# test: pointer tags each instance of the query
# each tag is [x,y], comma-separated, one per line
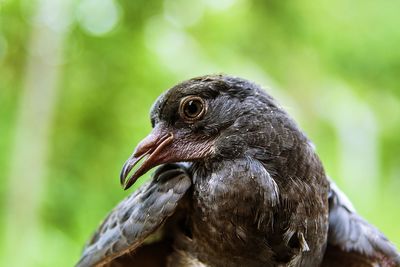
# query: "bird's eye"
[192,108]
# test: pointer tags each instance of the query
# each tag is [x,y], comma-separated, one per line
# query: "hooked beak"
[150,150]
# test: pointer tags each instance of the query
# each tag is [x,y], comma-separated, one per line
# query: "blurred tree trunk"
[26,181]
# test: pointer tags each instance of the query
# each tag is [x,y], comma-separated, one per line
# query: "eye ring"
[192,108]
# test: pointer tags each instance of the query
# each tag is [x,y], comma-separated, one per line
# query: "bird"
[236,183]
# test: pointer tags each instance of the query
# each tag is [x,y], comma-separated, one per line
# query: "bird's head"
[209,117]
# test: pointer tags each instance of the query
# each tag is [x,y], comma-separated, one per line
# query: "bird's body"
[239,220]
[253,193]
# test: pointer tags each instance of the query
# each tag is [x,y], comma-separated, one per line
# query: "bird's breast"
[226,211]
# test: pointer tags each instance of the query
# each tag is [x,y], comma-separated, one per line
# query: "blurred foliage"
[335,65]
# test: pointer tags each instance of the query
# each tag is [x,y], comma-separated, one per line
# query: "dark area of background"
[77,79]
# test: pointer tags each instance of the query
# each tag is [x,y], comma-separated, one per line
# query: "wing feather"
[138,216]
[352,239]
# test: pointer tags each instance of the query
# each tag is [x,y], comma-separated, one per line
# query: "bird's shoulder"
[235,180]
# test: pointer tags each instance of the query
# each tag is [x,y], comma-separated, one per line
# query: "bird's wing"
[352,240]
[138,216]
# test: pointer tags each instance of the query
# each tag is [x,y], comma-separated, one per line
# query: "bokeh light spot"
[183,13]
[98,17]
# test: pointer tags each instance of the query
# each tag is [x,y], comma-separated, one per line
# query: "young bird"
[238,184]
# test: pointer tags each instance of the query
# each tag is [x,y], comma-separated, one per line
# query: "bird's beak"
[149,152]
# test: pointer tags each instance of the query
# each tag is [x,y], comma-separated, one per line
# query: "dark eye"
[192,108]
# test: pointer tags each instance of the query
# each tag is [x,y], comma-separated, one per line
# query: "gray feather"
[136,217]
[349,232]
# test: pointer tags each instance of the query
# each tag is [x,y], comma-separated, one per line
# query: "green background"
[77,79]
